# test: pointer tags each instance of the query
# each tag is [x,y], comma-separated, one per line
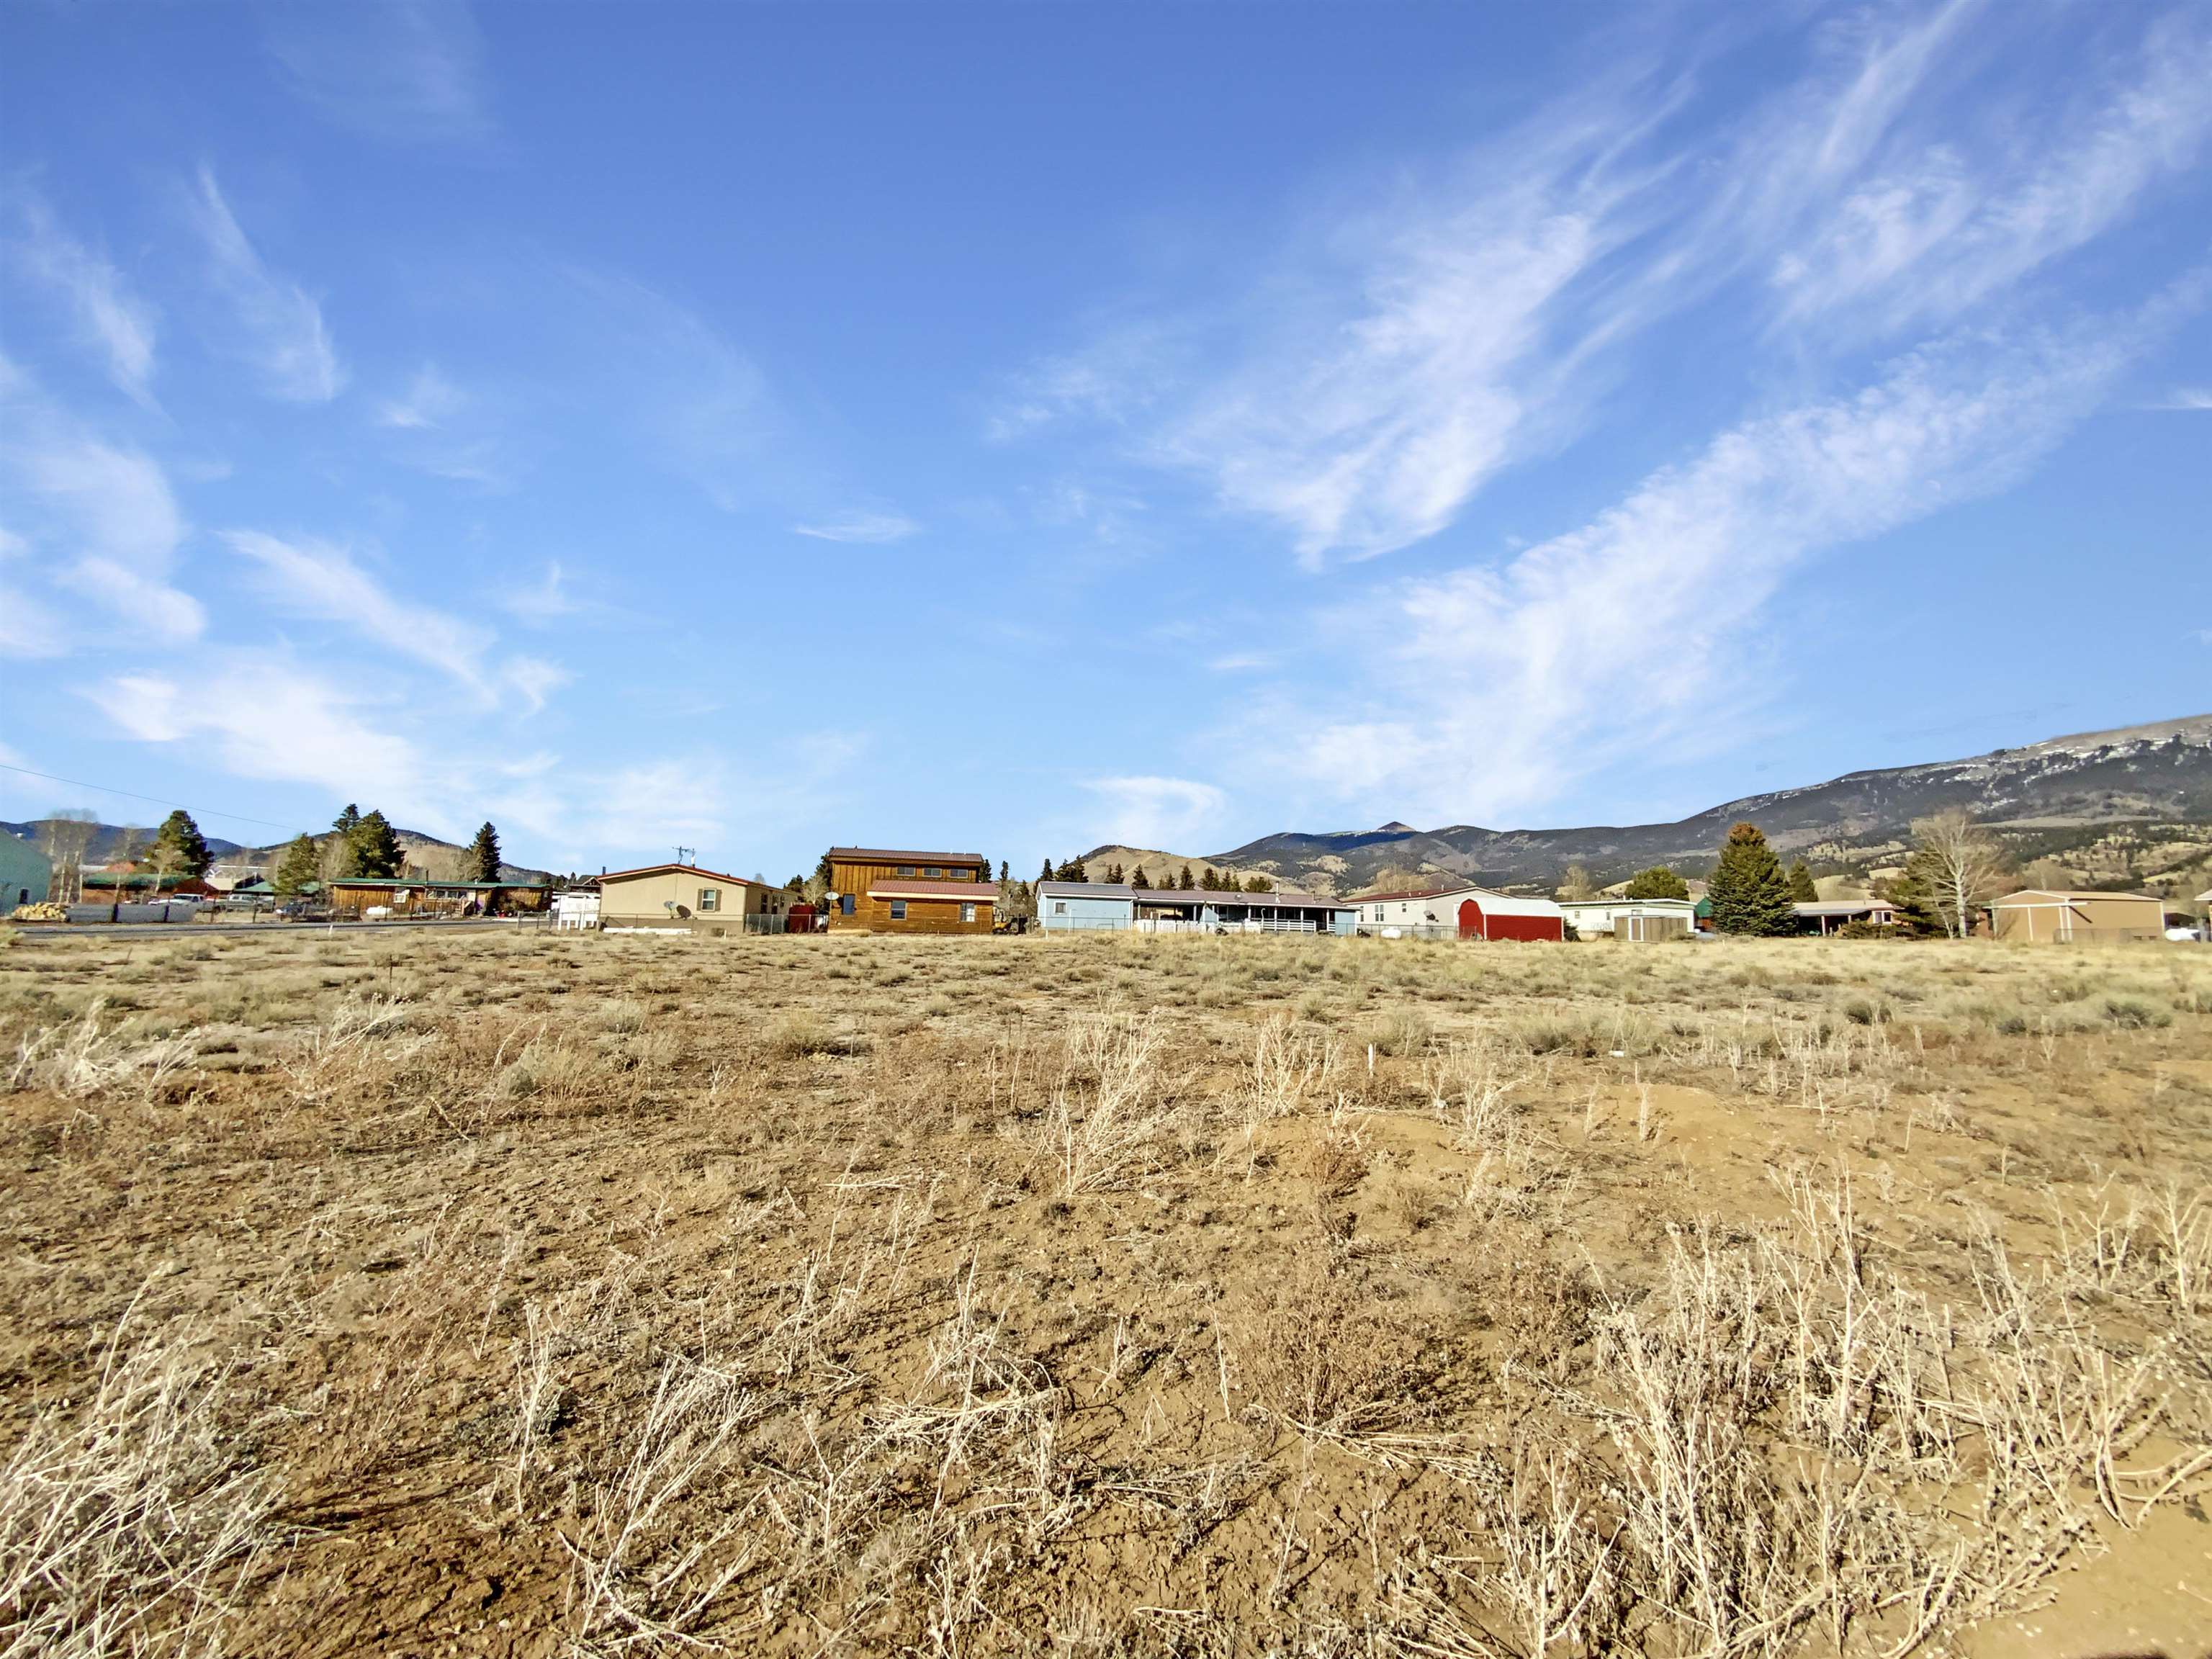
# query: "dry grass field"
[548,1294]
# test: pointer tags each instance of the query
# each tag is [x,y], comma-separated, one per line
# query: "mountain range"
[2115,808]
[107,843]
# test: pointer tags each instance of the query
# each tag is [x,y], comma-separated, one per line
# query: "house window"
[710,898]
[1378,912]
[906,869]
[844,904]
[1060,907]
[898,909]
[966,912]
[934,871]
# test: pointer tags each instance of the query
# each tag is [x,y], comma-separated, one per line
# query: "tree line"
[1954,867]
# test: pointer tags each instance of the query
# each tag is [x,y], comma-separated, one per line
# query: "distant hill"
[2109,808]
[1158,865]
[109,842]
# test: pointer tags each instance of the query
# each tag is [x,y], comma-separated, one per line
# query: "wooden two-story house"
[878,890]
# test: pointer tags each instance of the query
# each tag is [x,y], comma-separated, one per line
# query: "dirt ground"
[542,1294]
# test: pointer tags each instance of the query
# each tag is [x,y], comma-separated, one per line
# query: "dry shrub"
[1335,1164]
[129,1521]
[83,1060]
[1329,1361]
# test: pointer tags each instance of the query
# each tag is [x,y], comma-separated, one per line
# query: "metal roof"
[425,881]
[1841,907]
[1086,889]
[903,887]
[643,870]
[893,855]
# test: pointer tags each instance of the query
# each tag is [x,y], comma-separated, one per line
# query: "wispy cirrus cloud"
[323,582]
[871,529]
[1359,388]
[1487,690]
[276,325]
[1162,813]
[438,428]
[106,313]
[92,517]
[406,71]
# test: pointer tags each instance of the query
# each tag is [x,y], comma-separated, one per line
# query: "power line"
[156,800]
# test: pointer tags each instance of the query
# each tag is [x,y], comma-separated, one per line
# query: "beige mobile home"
[681,898]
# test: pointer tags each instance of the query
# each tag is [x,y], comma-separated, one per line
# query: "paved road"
[26,931]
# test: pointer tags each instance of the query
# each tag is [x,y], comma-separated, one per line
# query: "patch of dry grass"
[555,1294]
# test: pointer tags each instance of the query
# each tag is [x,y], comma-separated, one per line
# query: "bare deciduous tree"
[1963,863]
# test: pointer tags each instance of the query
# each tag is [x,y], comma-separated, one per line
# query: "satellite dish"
[829,897]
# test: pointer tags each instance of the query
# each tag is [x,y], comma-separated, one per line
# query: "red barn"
[1488,915]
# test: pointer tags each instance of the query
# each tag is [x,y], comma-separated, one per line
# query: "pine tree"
[1210,881]
[179,849]
[1259,885]
[1113,874]
[1140,879]
[376,851]
[1749,889]
[1802,890]
[483,854]
[346,821]
[1918,915]
[297,865]
[1003,877]
[1045,874]
[1187,884]
[1657,883]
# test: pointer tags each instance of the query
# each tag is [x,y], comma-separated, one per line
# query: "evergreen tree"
[483,854]
[346,821]
[1657,883]
[1749,891]
[179,849]
[1113,874]
[1045,874]
[1802,890]
[375,848]
[1210,881]
[1140,879]
[297,865]
[1188,882]
[1918,915]
[796,885]
[1259,885]
[1003,877]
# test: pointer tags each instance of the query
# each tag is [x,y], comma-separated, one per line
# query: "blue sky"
[1010,428]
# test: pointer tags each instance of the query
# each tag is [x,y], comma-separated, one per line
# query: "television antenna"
[685,854]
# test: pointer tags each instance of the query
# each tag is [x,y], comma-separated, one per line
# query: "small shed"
[25,872]
[1634,921]
[2046,916]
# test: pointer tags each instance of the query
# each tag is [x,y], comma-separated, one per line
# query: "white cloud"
[1359,387]
[96,519]
[257,715]
[1494,688]
[863,527]
[106,315]
[2187,398]
[430,400]
[1167,814]
[548,601]
[701,407]
[409,71]
[278,325]
[1955,219]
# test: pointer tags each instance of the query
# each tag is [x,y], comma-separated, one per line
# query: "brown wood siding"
[874,915]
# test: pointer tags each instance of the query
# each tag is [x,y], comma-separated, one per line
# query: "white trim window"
[898,909]
[710,898]
[966,912]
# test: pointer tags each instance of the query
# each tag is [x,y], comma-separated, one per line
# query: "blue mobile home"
[1093,906]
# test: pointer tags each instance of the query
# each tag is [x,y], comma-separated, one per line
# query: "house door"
[1470,920]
